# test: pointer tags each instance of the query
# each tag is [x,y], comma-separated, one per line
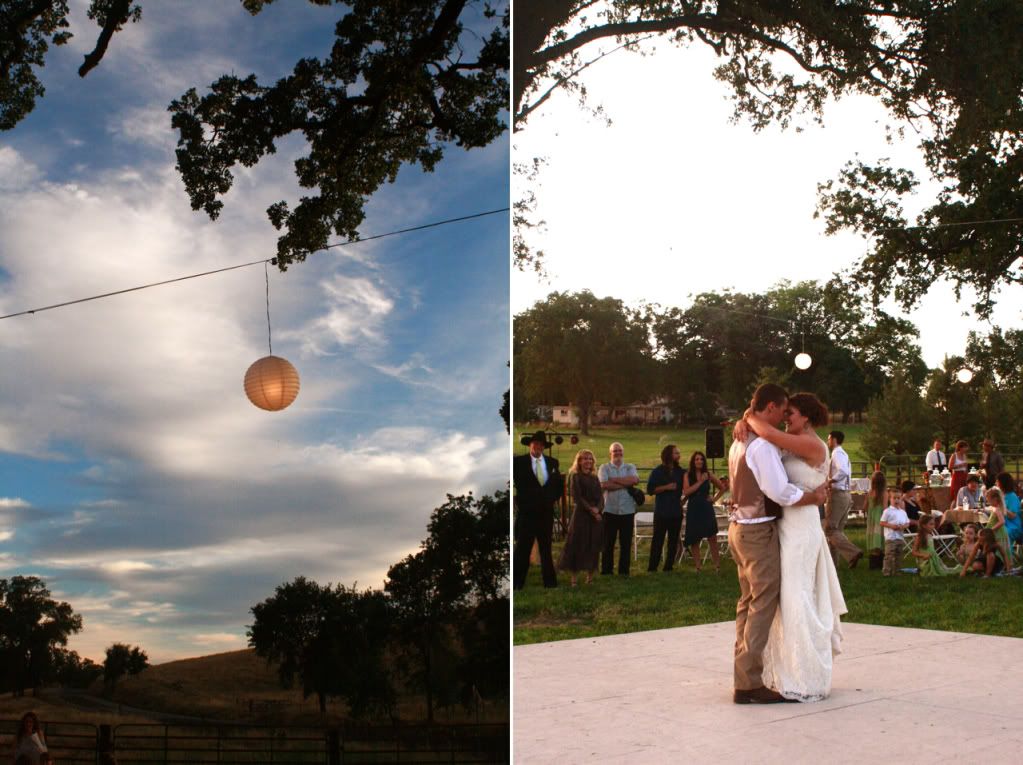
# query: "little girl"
[996,521]
[969,542]
[986,557]
[928,560]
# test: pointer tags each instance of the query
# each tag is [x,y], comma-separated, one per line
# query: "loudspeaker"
[715,443]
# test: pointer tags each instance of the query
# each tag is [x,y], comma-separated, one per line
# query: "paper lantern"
[271,383]
[964,375]
[803,360]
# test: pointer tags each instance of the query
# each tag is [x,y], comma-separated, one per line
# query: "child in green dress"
[927,558]
[996,522]
[876,502]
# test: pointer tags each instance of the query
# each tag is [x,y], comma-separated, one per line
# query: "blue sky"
[137,480]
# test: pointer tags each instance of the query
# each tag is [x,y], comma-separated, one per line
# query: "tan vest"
[748,501]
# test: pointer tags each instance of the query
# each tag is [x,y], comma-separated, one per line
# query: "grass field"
[680,598]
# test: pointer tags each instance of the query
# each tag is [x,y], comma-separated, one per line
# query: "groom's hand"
[820,494]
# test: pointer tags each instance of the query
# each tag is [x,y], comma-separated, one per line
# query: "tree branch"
[115,19]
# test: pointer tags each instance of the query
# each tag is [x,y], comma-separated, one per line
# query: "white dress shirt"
[764,461]
[841,470]
[936,459]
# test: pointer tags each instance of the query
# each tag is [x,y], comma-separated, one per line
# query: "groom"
[759,489]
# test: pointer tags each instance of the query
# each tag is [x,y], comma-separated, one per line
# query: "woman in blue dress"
[700,521]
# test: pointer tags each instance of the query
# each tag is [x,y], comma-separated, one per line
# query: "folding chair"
[642,526]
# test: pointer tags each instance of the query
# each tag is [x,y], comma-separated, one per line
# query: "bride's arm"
[807,445]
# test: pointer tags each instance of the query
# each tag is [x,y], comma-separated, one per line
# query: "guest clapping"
[585,531]
[701,522]
[665,485]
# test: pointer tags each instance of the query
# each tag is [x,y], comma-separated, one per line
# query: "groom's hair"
[768,393]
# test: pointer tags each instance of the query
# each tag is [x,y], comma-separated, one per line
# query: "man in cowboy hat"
[538,485]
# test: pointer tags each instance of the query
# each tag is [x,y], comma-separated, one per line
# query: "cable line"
[251,263]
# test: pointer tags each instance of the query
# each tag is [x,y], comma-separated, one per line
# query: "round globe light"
[272,383]
[803,360]
[964,375]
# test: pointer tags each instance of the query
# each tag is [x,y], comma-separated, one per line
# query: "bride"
[806,632]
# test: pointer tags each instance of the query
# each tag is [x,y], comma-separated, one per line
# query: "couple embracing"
[787,626]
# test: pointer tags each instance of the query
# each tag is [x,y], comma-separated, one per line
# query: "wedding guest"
[927,559]
[935,459]
[701,522]
[991,462]
[1013,517]
[986,557]
[837,511]
[969,542]
[996,521]
[616,478]
[894,521]
[875,506]
[971,494]
[30,742]
[958,466]
[538,485]
[912,508]
[665,485]
[585,533]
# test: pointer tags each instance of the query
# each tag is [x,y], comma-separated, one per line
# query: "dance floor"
[898,695]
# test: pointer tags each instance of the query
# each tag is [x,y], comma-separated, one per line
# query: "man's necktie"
[541,472]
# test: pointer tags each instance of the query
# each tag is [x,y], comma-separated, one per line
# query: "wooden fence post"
[105,745]
[333,747]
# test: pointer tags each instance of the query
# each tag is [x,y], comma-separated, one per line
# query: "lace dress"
[806,632]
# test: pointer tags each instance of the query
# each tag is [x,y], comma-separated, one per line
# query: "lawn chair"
[642,526]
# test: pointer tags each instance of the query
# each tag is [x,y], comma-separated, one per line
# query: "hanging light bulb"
[964,375]
[803,360]
[272,382]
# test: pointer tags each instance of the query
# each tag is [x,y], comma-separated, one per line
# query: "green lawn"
[679,598]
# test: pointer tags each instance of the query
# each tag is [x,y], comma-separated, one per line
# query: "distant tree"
[72,671]
[402,82]
[898,421]
[122,659]
[33,629]
[585,349]
[331,639]
[456,587]
[953,407]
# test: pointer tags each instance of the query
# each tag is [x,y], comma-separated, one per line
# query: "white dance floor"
[899,695]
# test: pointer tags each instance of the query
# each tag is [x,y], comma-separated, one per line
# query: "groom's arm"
[765,463]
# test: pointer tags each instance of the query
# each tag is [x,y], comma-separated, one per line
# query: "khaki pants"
[754,548]
[835,516]
[893,549]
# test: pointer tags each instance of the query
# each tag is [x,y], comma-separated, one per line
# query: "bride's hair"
[811,408]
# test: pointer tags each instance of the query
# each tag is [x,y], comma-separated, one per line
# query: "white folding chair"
[642,526]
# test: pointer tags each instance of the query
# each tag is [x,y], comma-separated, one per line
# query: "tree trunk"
[584,419]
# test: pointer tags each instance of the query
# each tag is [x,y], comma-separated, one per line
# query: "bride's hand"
[741,430]
[759,426]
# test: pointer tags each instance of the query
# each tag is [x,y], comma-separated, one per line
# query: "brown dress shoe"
[855,559]
[759,695]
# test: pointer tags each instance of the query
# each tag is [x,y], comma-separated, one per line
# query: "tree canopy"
[950,71]
[122,659]
[34,628]
[402,82]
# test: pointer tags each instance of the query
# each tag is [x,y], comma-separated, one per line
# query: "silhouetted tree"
[33,628]
[402,82]
[122,659]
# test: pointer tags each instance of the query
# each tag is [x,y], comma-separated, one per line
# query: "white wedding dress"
[806,632]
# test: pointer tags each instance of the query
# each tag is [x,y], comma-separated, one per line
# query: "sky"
[135,477]
[673,199]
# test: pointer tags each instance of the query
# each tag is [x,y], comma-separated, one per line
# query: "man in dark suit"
[538,485]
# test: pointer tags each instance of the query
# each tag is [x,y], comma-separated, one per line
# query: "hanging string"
[251,263]
[269,342]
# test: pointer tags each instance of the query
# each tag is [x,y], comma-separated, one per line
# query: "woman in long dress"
[701,523]
[806,632]
[583,541]
[875,506]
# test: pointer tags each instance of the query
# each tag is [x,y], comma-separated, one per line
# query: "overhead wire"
[433,224]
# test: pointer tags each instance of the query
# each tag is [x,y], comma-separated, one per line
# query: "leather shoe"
[759,695]
[855,559]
